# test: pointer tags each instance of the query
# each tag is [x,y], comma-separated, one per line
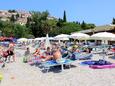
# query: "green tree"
[12,29]
[113,21]
[67,28]
[13,18]
[28,23]
[12,11]
[86,26]
[38,24]
[60,22]
[83,25]
[17,16]
[20,31]
[7,28]
[64,16]
[90,26]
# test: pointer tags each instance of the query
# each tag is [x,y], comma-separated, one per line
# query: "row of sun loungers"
[67,61]
[47,65]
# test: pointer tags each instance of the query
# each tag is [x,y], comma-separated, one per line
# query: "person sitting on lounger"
[73,54]
[8,54]
[37,52]
[88,50]
[11,53]
[48,51]
[55,56]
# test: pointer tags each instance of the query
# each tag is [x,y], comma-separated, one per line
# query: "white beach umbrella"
[22,40]
[40,39]
[37,39]
[30,39]
[103,36]
[51,38]
[62,37]
[79,36]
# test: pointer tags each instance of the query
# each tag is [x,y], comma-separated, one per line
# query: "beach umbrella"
[79,36]
[47,41]
[37,39]
[51,38]
[62,37]
[22,40]
[103,36]
[40,39]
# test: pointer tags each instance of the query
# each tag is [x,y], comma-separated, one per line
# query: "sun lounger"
[87,62]
[81,56]
[48,64]
[85,56]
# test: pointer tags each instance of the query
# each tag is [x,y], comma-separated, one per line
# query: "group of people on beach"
[48,54]
[54,52]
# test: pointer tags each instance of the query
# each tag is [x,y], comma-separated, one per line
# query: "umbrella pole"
[104,52]
[85,41]
[74,41]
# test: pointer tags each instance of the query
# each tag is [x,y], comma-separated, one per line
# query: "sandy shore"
[20,74]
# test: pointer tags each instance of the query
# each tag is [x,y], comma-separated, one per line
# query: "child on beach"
[26,55]
[27,52]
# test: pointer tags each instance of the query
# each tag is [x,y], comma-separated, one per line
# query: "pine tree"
[83,25]
[13,18]
[64,16]
[60,22]
[113,21]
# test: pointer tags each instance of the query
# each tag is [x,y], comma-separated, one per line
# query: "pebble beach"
[21,74]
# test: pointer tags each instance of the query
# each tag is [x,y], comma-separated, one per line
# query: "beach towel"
[94,62]
[102,66]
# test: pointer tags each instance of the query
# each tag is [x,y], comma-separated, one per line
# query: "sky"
[99,12]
